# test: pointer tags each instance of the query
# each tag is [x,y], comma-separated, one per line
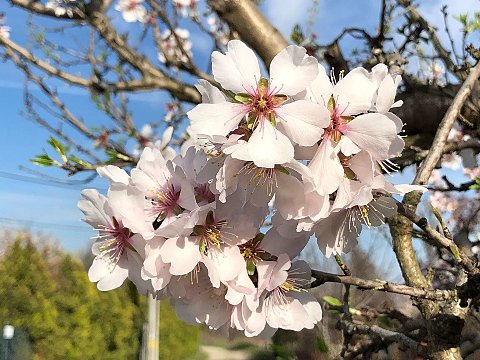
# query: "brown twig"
[380,285]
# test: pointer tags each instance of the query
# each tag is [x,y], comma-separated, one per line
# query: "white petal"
[321,88]
[238,69]
[386,93]
[182,254]
[95,207]
[304,121]
[354,93]
[326,168]
[291,70]
[372,132]
[114,174]
[215,119]
[267,146]
[210,94]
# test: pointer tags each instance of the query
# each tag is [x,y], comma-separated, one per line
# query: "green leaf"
[297,35]
[79,161]
[330,300]
[58,147]
[321,344]
[43,160]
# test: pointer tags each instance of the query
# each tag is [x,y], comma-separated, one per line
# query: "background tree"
[442,90]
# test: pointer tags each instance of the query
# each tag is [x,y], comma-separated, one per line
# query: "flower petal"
[326,168]
[373,132]
[267,146]
[304,121]
[291,70]
[238,69]
[215,119]
[354,93]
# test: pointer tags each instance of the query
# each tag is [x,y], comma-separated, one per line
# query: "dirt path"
[218,353]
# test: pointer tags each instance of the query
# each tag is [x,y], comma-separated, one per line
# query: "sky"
[51,208]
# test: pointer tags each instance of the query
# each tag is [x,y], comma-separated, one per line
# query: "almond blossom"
[270,162]
[132,10]
[262,110]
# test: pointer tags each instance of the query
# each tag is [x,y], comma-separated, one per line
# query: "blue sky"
[52,209]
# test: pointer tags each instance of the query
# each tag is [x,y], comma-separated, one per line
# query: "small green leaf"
[43,160]
[79,161]
[58,147]
[330,300]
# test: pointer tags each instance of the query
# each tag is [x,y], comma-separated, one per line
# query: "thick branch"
[244,17]
[386,335]
[378,285]
[39,8]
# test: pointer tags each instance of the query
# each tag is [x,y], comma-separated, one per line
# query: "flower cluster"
[132,10]
[300,149]
[170,49]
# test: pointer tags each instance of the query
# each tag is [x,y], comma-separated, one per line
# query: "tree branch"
[244,17]
[380,285]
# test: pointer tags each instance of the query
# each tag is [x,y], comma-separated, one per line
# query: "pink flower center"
[115,239]
[163,202]
[261,103]
[132,5]
[203,194]
[337,120]
[210,234]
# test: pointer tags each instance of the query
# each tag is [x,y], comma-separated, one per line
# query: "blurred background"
[49,309]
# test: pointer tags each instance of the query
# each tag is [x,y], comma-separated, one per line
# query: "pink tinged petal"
[397,121]
[346,193]
[372,132]
[354,93]
[321,88]
[267,146]
[98,269]
[316,206]
[275,243]
[210,94]
[115,278]
[228,261]
[238,69]
[326,168]
[347,147]
[335,235]
[363,166]
[280,272]
[238,151]
[114,174]
[182,253]
[303,121]
[397,146]
[386,93]
[290,196]
[227,177]
[128,204]
[215,119]
[291,70]
[138,243]
[135,264]
[95,207]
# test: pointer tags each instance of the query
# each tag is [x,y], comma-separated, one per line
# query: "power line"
[7,220]
[53,183]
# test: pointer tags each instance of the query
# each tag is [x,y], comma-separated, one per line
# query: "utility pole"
[153,328]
